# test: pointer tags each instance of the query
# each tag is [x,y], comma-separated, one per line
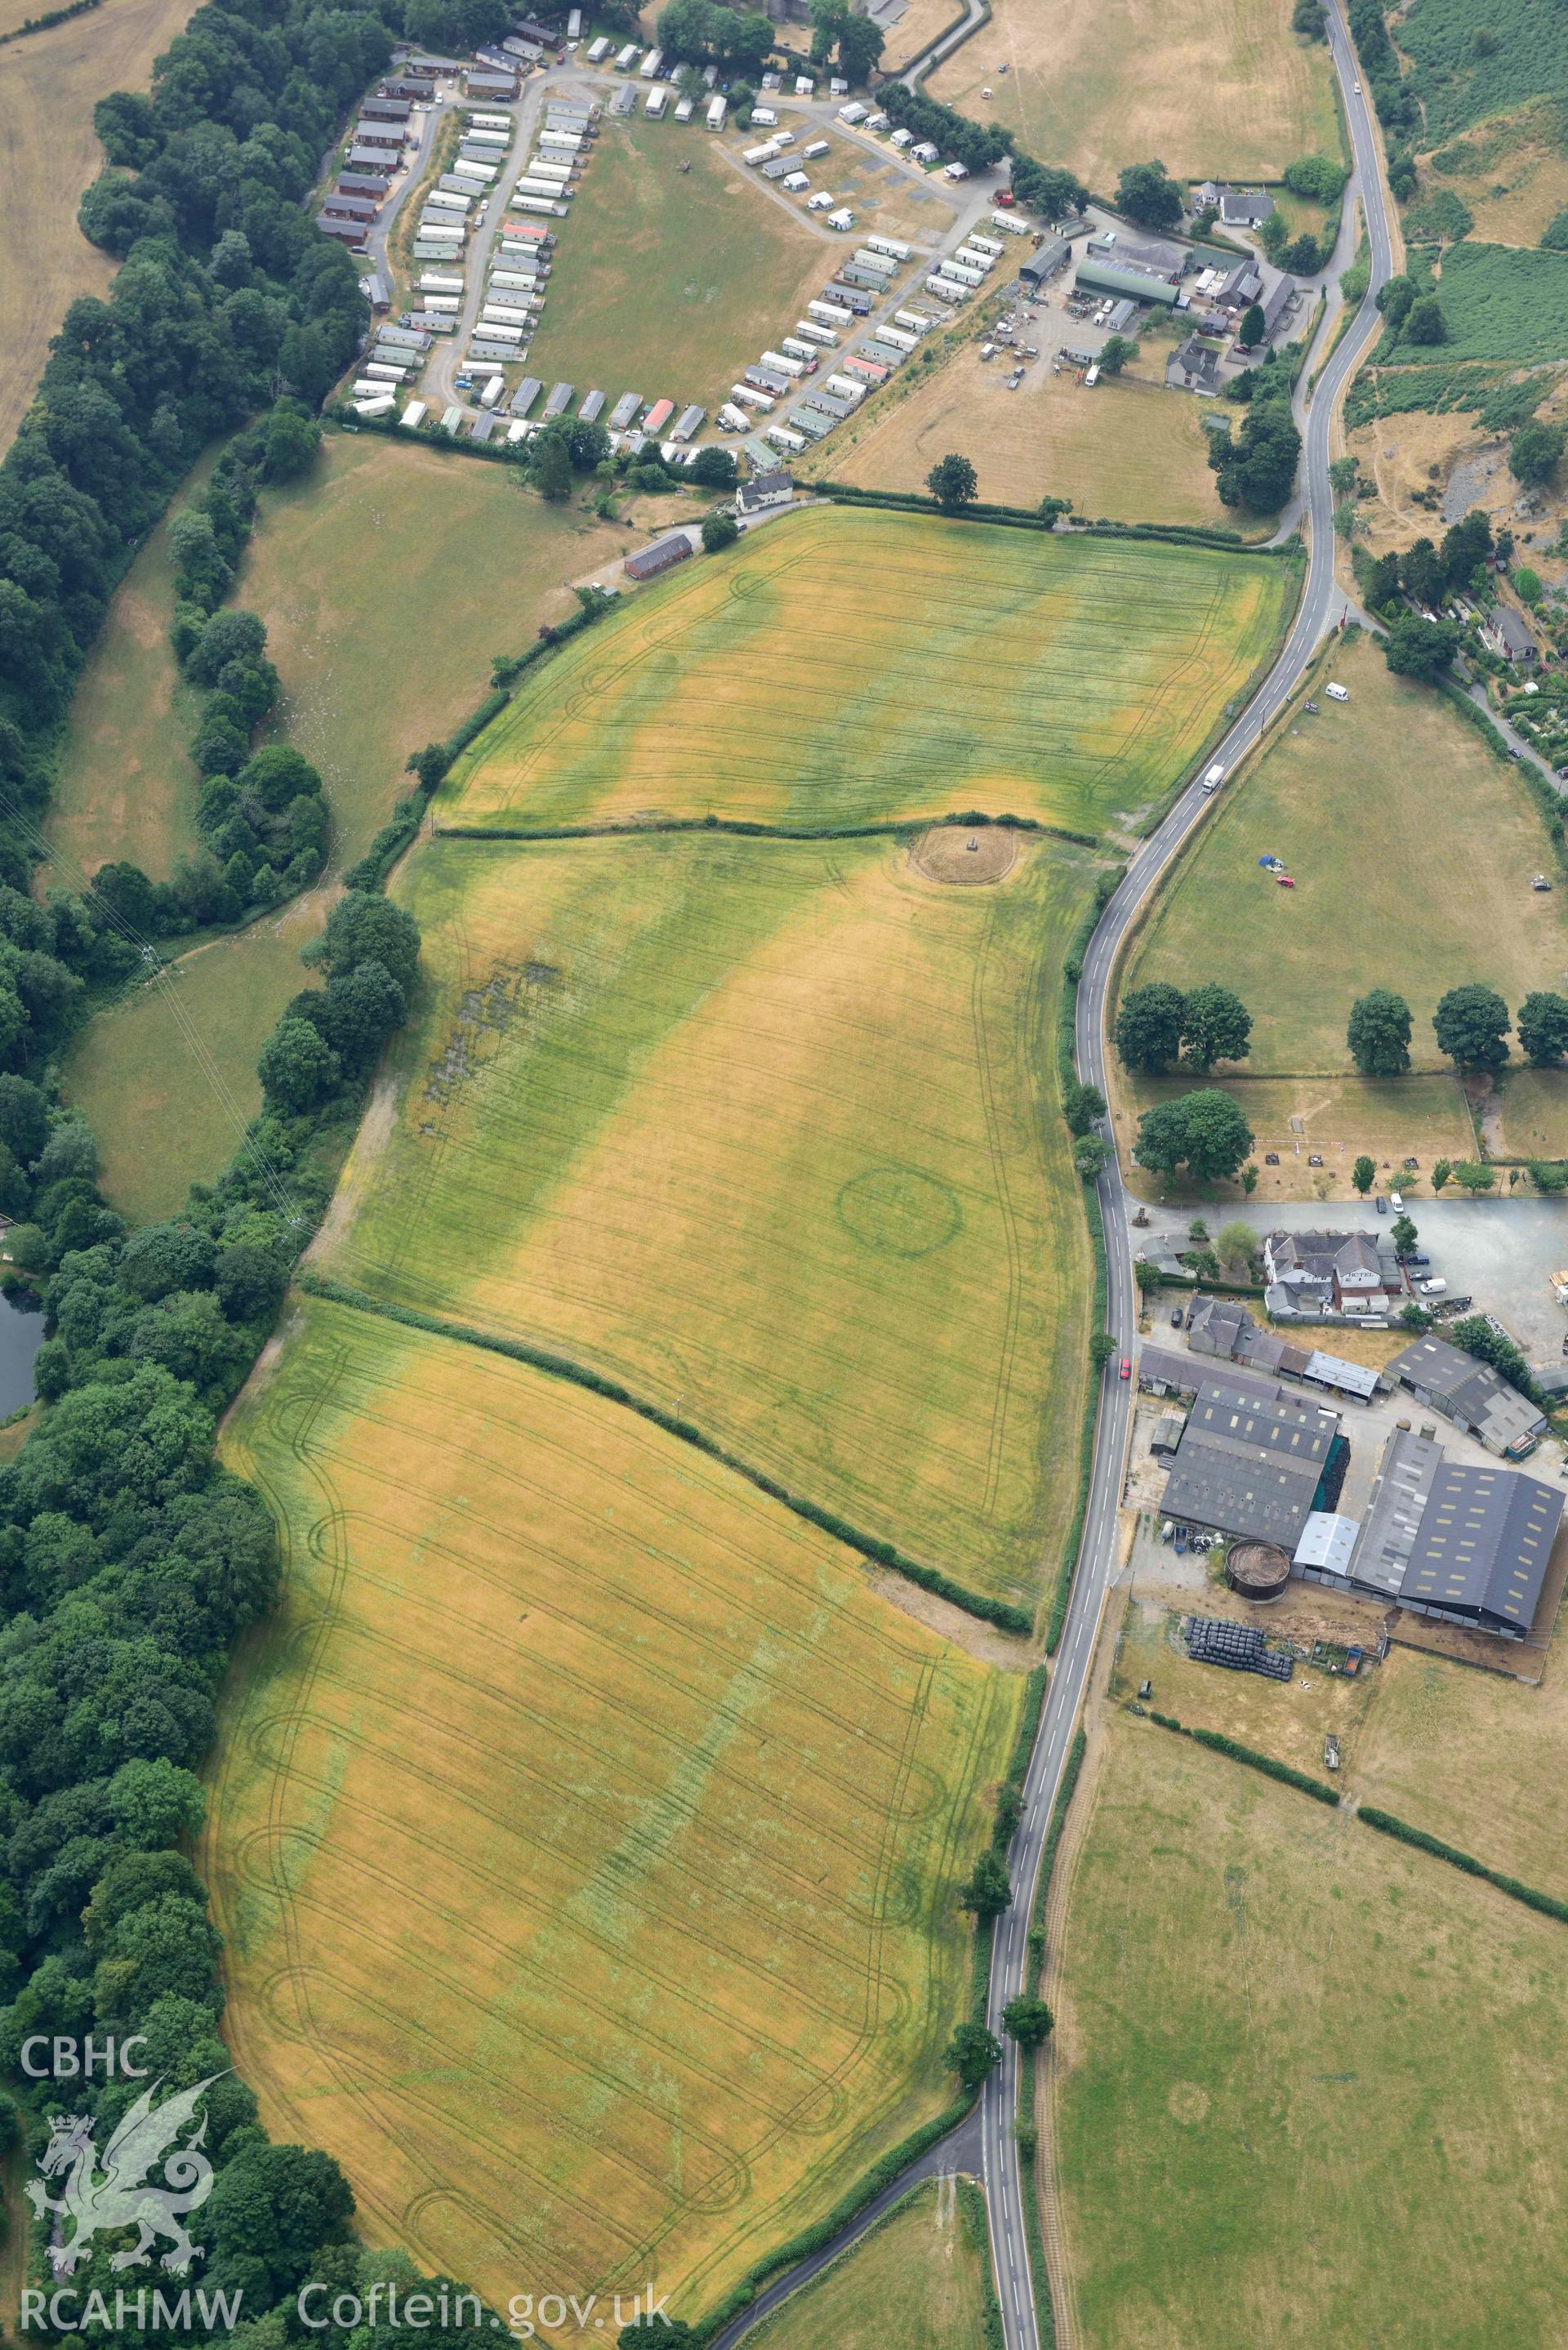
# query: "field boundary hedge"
[1547,1904]
[1226,542]
[1286,1773]
[999,1612]
[46,23]
[746,829]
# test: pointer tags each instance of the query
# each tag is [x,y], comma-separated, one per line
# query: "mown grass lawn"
[673,271]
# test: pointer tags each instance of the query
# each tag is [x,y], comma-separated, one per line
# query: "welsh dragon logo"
[114,2192]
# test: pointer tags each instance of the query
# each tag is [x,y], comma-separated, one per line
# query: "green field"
[920,2281]
[1501,302]
[767,1130]
[646,294]
[386,581]
[846,668]
[1534,1104]
[585,1832]
[1314,2087]
[166,1077]
[1412,850]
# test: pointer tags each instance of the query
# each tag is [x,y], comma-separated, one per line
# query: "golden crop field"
[1129,451]
[586,1831]
[767,1130]
[1312,2086]
[1412,850]
[843,667]
[1214,88]
[49,84]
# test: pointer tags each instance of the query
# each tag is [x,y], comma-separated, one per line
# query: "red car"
[1126,1368]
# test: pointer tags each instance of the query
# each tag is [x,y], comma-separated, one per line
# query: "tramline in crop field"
[847,668]
[761,1130]
[587,1832]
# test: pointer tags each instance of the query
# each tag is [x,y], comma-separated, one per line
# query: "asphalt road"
[1322,609]
[1323,604]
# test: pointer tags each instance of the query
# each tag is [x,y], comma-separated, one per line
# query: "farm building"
[1151,255]
[1343,1273]
[1470,1394]
[649,561]
[763,490]
[1045,262]
[1252,1468]
[1095,277]
[1223,1326]
[1467,1545]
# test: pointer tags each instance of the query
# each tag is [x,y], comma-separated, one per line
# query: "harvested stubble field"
[586,1831]
[1216,88]
[642,283]
[1126,451]
[847,666]
[919,2279]
[766,1130]
[49,84]
[1279,2030]
[1412,850]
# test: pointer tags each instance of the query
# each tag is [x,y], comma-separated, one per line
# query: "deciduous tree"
[1148,1027]
[1470,1024]
[953,482]
[1378,1034]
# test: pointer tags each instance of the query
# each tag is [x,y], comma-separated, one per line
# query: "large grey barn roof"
[1468,1389]
[1248,1466]
[1470,1541]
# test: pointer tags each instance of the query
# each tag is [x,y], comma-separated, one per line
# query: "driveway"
[1499,1250]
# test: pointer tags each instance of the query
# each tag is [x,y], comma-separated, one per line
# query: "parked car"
[1176,1317]
[1395,1201]
[1382,1205]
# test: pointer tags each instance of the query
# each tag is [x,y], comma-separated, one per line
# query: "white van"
[1432,1288]
[1214,778]
[1339,694]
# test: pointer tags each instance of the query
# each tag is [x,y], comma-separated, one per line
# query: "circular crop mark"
[900,1211]
[1187,2104]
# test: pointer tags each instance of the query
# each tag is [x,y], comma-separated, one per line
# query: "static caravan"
[492,392]
[988,244]
[560,399]
[685,107]
[627,57]
[539,204]
[854,112]
[890,246]
[625,409]
[592,403]
[732,419]
[652,64]
[382,405]
[442,302]
[688,422]
[764,116]
[796,183]
[597,51]
[520,280]
[899,336]
[783,437]
[830,314]
[414,415]
[753,156]
[447,200]
[815,332]
[624,103]
[440,281]
[575,25]
[1013,227]
[750,397]
[782,364]
[478,122]
[915,320]
[451,418]
[658,417]
[384,372]
[486,137]
[658,99]
[716,109]
[798,349]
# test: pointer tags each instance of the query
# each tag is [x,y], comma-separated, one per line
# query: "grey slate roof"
[1469,1392]
[1466,1540]
[1248,1467]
